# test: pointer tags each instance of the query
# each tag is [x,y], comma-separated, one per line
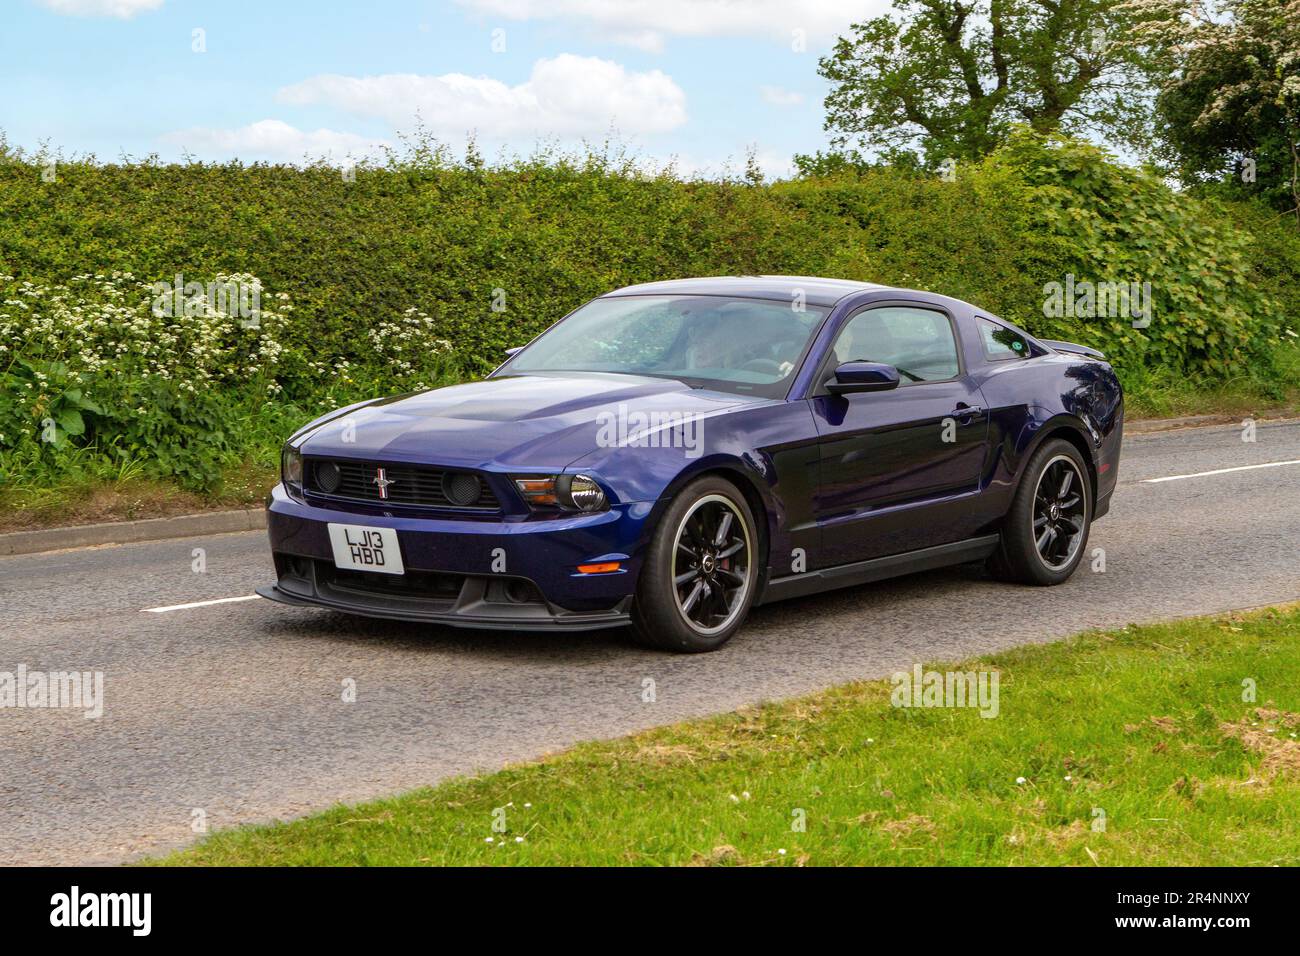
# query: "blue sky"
[700,81]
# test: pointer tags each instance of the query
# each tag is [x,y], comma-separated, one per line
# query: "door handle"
[963,413]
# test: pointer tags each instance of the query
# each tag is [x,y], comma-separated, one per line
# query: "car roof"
[816,291]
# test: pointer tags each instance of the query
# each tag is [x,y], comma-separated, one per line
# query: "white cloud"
[776,96]
[647,21]
[648,41]
[274,140]
[565,96]
[122,9]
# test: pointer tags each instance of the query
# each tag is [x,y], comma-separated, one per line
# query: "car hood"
[534,422]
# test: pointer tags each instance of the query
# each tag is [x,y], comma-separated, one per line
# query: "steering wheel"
[764,365]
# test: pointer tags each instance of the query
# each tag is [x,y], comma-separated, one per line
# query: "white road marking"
[1220,471]
[184,607]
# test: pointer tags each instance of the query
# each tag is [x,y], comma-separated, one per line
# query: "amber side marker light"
[605,568]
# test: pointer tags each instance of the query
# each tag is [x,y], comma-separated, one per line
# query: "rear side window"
[917,342]
[1002,343]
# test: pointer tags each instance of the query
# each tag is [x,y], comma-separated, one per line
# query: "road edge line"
[130,532]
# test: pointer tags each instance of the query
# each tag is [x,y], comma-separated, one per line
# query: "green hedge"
[423,244]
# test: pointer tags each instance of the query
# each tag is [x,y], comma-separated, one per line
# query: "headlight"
[291,469]
[581,493]
[569,492]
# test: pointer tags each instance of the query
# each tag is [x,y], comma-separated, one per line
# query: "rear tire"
[1046,531]
[700,574]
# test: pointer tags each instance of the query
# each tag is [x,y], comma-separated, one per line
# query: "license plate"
[359,548]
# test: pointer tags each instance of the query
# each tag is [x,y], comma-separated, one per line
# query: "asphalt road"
[236,709]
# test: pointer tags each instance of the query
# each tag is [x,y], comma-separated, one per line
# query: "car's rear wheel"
[1046,531]
[701,570]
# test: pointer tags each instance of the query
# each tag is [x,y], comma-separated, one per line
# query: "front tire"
[700,573]
[1046,531]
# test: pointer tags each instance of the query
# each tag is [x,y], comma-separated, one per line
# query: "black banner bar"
[331,905]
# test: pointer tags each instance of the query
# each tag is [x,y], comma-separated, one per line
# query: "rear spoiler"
[1072,348]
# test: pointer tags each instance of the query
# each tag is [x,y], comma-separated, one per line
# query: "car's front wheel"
[701,570]
[1046,530]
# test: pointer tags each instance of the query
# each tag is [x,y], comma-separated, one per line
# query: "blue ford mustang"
[669,455]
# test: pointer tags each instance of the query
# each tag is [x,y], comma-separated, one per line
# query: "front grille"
[341,479]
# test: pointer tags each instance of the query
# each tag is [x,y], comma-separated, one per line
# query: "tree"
[1228,107]
[943,79]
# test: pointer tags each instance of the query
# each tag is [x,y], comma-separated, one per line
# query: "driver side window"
[917,342]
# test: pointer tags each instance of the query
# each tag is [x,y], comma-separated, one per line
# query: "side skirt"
[877,569]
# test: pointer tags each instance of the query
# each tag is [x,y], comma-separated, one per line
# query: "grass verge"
[87,499]
[1165,393]
[1128,747]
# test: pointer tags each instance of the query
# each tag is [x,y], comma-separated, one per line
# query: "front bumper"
[505,573]
[469,609]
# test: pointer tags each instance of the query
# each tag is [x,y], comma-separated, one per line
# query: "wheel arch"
[747,483]
[1070,429]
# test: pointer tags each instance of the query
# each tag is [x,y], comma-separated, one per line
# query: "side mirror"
[863,377]
[510,353]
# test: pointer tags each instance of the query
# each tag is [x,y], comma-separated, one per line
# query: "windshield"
[733,345]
